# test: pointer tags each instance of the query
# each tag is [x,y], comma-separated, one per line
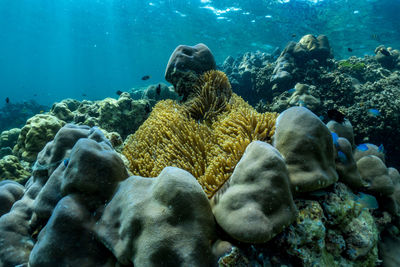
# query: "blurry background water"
[88,49]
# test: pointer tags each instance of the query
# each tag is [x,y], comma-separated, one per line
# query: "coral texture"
[172,205]
[37,131]
[306,144]
[256,203]
[11,169]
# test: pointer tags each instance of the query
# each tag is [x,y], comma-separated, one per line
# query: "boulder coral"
[37,131]
[122,115]
[172,205]
[344,129]
[19,227]
[83,182]
[10,192]
[306,144]
[186,64]
[256,202]
[12,169]
[9,138]
[375,173]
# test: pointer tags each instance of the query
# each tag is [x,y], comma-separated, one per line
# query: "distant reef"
[193,175]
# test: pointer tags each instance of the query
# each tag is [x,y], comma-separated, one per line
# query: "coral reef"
[247,75]
[122,116]
[207,184]
[364,89]
[387,57]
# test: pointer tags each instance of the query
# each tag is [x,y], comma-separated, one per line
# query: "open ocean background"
[52,50]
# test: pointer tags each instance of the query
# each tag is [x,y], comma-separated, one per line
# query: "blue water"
[51,50]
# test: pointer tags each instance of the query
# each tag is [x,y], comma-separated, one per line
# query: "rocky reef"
[306,74]
[206,179]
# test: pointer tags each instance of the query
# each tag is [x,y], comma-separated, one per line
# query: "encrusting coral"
[205,137]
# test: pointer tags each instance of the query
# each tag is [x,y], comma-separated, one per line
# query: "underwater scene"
[200,133]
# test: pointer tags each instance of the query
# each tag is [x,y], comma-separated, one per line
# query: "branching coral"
[209,150]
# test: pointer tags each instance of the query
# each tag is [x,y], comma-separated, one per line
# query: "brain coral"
[208,150]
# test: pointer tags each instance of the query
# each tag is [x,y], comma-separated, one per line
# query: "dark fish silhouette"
[158,89]
[293,35]
[146,77]
[336,115]
[7,100]
[349,49]
[119,92]
[84,94]
[385,52]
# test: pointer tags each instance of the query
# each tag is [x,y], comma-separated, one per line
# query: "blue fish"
[362,147]
[366,200]
[335,139]
[292,90]
[342,157]
[381,149]
[374,112]
[66,161]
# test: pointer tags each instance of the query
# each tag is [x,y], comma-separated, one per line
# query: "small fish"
[291,91]
[362,147]
[366,200]
[119,92]
[7,100]
[158,89]
[336,115]
[146,77]
[321,118]
[381,149]
[84,94]
[385,52]
[294,35]
[66,161]
[349,49]
[34,94]
[342,157]
[335,139]
[374,112]
[41,112]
